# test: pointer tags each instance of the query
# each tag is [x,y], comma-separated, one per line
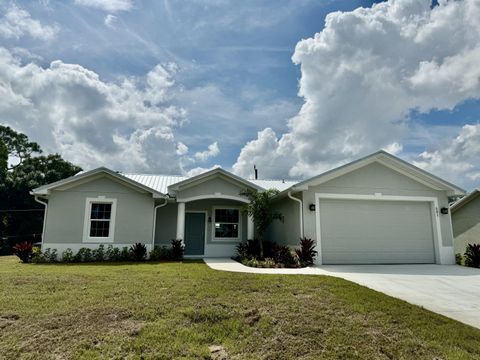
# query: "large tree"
[21,218]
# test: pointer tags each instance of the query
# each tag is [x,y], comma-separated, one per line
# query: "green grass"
[178,310]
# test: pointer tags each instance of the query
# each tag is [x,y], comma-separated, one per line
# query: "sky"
[294,87]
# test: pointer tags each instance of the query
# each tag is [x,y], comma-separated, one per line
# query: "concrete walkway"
[450,290]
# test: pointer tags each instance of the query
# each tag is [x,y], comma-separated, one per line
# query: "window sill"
[226,240]
[98,240]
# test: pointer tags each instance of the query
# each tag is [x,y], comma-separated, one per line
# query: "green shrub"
[84,255]
[306,254]
[458,259]
[112,253]
[99,254]
[472,255]
[50,255]
[177,249]
[283,255]
[125,254]
[160,253]
[24,251]
[67,255]
[138,251]
[37,255]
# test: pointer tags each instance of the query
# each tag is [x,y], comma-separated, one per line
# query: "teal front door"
[194,233]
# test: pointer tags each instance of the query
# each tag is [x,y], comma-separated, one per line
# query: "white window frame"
[239,237]
[87,221]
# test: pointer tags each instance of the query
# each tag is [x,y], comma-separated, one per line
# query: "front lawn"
[178,310]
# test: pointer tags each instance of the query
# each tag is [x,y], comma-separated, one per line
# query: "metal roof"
[162,182]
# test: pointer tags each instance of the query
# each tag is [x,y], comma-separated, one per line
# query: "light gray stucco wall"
[287,231]
[371,179]
[66,214]
[466,225]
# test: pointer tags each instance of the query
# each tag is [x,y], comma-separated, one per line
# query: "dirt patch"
[61,335]
[218,352]
[6,320]
[252,316]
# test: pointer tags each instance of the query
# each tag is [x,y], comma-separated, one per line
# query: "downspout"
[155,220]
[300,208]
[44,215]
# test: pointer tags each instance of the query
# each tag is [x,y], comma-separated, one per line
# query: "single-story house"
[466,221]
[378,209]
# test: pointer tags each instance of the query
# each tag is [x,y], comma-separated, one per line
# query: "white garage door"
[376,232]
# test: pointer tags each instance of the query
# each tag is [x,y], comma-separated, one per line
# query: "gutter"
[44,215]
[155,220]
[300,208]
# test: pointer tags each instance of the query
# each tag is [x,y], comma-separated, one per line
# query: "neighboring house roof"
[83,176]
[388,160]
[464,200]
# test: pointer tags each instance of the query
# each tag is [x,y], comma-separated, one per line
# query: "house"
[466,221]
[378,209]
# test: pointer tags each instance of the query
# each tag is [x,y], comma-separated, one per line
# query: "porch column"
[250,228]
[181,220]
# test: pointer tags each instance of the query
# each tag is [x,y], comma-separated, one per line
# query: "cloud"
[182,149]
[107,5]
[200,170]
[457,158]
[361,77]
[17,22]
[212,151]
[70,110]
[110,20]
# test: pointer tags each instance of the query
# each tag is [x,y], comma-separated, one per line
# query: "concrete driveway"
[450,290]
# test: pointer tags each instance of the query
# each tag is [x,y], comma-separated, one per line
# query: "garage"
[372,231]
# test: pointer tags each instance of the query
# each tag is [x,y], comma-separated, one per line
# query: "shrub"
[112,253]
[37,255]
[24,251]
[472,255]
[138,251]
[50,255]
[177,249]
[283,255]
[84,255]
[161,253]
[306,254]
[67,255]
[458,259]
[99,254]
[125,254]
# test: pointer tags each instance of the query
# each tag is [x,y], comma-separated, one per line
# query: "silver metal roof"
[162,182]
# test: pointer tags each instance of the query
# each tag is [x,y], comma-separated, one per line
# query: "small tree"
[260,209]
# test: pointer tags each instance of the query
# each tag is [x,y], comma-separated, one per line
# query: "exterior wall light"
[444,210]
[311,207]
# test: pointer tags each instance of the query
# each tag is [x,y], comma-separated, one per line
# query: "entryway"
[195,233]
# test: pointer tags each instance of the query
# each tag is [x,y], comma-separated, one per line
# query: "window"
[100,215]
[227,224]
[99,220]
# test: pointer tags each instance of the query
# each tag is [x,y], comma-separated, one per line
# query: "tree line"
[23,167]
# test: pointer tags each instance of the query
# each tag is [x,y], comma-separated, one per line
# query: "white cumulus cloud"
[363,74]
[212,151]
[70,110]
[17,22]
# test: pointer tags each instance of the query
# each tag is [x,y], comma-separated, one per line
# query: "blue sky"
[181,86]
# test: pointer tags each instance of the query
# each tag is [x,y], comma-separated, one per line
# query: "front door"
[194,233]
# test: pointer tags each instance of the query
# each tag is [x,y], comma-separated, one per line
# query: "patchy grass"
[179,310]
